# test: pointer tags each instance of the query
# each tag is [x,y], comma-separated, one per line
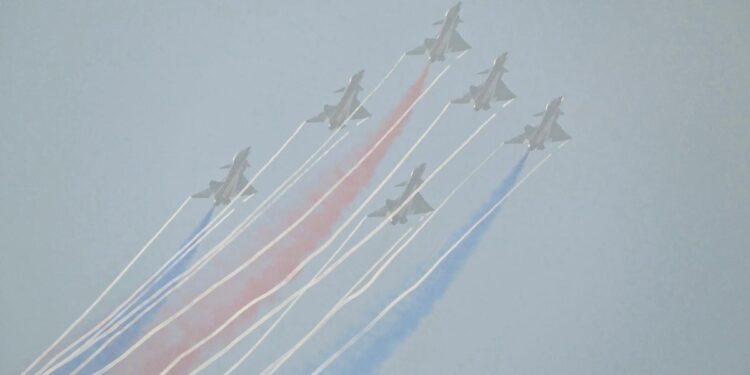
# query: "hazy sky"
[626,253]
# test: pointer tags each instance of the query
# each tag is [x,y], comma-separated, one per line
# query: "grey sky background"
[626,253]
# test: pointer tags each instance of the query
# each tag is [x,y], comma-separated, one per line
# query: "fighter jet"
[493,89]
[547,130]
[416,205]
[337,114]
[223,192]
[447,40]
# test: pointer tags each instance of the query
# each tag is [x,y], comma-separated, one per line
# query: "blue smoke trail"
[373,349]
[123,342]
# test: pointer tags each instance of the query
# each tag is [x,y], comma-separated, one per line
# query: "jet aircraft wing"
[557,134]
[361,113]
[243,183]
[380,212]
[419,205]
[502,92]
[464,99]
[458,43]
[203,194]
[428,43]
[319,118]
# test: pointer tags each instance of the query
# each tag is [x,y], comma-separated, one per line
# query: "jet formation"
[348,108]
[447,40]
[481,97]
[410,201]
[223,192]
[416,205]
[547,130]
[492,90]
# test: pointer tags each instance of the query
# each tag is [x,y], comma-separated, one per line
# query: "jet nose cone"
[501,59]
[243,153]
[419,169]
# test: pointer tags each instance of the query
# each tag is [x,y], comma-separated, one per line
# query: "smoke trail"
[285,255]
[125,339]
[375,348]
[106,290]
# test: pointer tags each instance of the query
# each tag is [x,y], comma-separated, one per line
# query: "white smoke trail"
[180,254]
[200,235]
[106,290]
[377,87]
[158,296]
[352,294]
[360,122]
[414,286]
[111,319]
[309,167]
[273,242]
[100,349]
[287,183]
[341,228]
[359,244]
[289,307]
[177,256]
[348,294]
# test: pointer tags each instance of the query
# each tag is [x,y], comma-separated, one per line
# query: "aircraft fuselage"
[345,106]
[438,50]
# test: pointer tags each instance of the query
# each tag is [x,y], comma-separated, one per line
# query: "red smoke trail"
[282,258]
